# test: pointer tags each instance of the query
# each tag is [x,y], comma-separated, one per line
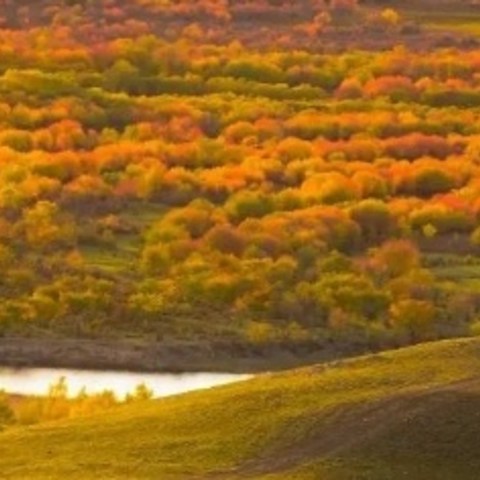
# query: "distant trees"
[375,220]
[396,258]
[390,16]
[416,317]
[398,88]
[343,5]
[149,182]
[246,204]
[58,403]
[43,226]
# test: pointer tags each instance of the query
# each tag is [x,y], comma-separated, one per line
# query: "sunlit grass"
[109,258]
[456,21]
[192,435]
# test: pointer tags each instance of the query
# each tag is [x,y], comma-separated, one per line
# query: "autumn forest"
[261,173]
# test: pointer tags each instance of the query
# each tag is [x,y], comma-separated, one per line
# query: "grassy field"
[458,20]
[412,414]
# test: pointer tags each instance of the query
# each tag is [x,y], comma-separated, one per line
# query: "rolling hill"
[412,413]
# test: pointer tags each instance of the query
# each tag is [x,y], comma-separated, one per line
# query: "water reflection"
[36,381]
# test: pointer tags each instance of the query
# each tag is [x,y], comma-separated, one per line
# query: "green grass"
[458,20]
[111,259]
[388,416]
[459,271]
[143,214]
[122,252]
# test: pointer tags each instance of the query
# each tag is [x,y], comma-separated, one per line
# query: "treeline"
[318,25]
[58,403]
[182,189]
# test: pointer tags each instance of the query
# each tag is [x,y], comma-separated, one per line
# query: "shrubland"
[170,184]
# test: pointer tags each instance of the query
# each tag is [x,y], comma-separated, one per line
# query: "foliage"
[59,403]
[164,173]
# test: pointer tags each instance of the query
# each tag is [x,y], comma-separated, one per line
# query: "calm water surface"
[36,381]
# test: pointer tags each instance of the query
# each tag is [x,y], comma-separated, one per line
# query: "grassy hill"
[411,414]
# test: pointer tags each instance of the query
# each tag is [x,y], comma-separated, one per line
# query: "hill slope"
[405,414]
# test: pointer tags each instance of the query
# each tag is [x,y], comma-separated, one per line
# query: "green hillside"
[411,414]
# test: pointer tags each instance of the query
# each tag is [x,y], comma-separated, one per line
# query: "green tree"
[247,204]
[374,219]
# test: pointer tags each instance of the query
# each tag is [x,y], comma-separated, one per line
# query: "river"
[36,381]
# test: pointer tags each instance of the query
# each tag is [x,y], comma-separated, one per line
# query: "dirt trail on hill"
[347,427]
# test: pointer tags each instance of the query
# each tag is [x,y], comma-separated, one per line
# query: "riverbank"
[174,356]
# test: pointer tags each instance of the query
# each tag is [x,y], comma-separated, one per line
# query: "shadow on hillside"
[421,435]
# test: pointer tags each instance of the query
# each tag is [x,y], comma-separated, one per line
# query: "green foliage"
[374,218]
[248,205]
